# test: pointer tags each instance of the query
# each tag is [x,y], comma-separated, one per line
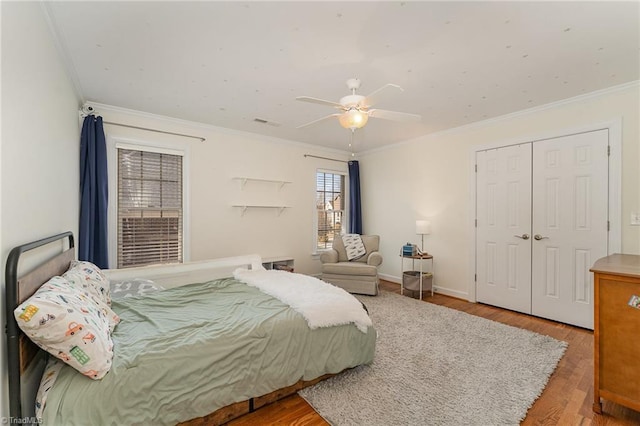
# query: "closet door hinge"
[608,226]
[608,150]
[476,168]
[475,277]
[476,223]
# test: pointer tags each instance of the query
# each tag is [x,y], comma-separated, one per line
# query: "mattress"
[185,352]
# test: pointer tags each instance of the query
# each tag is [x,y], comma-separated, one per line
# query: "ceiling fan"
[355,110]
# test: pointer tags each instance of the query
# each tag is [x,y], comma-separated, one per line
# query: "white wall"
[431,178]
[426,178]
[216,228]
[39,145]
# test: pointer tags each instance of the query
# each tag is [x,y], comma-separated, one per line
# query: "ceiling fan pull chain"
[351,142]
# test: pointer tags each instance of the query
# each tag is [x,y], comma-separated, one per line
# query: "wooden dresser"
[616,331]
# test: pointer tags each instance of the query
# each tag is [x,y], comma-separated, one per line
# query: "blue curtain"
[93,237]
[355,209]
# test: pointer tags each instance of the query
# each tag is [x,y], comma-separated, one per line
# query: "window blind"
[329,205]
[150,208]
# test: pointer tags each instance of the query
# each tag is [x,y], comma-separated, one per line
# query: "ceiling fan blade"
[374,96]
[318,101]
[318,120]
[394,115]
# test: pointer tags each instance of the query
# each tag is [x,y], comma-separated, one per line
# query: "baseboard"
[436,288]
[453,293]
[391,278]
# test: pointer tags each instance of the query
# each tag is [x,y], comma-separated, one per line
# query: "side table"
[421,258]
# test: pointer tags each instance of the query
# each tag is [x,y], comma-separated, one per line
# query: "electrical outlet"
[635,219]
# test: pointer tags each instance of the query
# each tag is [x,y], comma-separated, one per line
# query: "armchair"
[356,276]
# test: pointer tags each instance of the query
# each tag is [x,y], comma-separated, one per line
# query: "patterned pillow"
[66,323]
[49,376]
[353,246]
[87,279]
[90,277]
[133,287]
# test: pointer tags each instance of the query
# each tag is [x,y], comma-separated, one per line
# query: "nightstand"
[423,278]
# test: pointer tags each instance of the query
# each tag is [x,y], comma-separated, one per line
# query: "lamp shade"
[423,227]
[353,119]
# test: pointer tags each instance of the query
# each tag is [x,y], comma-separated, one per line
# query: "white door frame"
[614,126]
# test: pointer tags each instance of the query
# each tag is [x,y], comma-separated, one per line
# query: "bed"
[206,349]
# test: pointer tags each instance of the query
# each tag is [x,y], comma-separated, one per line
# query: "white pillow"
[66,323]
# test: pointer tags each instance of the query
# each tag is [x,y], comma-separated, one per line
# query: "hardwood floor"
[566,400]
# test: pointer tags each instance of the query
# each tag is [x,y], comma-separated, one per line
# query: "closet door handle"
[539,237]
[523,236]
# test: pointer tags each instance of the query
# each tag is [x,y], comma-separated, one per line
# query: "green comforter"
[185,352]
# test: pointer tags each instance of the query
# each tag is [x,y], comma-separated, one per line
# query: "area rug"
[438,366]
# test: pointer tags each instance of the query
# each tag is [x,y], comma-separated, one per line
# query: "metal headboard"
[16,291]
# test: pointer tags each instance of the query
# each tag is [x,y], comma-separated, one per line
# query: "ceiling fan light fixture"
[354,110]
[353,119]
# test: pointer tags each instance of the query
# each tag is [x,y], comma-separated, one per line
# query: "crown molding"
[510,116]
[187,124]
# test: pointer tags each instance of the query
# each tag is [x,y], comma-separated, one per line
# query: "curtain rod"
[324,158]
[154,130]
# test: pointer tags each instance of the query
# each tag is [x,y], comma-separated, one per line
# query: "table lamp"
[423,227]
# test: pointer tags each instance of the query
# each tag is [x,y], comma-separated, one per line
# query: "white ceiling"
[227,63]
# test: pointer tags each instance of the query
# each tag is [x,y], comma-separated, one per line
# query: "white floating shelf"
[244,180]
[244,207]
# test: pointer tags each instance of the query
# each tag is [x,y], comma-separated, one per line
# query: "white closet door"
[503,211]
[570,199]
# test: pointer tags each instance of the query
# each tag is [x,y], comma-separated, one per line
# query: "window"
[330,204]
[150,208]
